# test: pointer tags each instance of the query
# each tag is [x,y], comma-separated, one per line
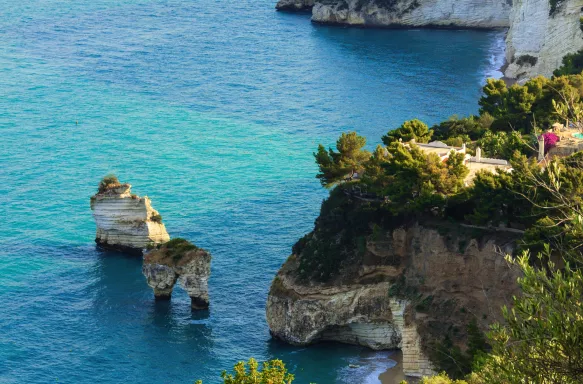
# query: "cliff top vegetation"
[398,183]
[173,252]
[108,183]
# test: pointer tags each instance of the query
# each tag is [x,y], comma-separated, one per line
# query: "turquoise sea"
[213,109]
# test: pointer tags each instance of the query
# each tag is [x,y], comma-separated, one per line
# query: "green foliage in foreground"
[272,372]
[542,339]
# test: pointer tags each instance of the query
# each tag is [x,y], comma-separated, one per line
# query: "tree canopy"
[409,130]
[272,372]
[345,162]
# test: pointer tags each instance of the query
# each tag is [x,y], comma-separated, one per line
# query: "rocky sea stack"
[179,260]
[125,222]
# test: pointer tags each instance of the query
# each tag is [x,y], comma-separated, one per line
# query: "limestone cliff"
[414,13]
[406,288]
[124,221]
[540,35]
[179,260]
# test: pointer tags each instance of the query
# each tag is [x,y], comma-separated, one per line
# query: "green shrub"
[527,59]
[177,247]
[108,182]
[273,372]
[156,218]
[572,63]
[409,130]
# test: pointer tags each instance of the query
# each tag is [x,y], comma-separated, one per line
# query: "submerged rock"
[179,260]
[125,222]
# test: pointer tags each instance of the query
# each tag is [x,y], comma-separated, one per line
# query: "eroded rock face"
[539,37]
[414,13]
[413,285]
[179,261]
[294,5]
[126,222]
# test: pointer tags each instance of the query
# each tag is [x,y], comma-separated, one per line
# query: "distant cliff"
[540,35]
[541,32]
[409,287]
[125,222]
[414,13]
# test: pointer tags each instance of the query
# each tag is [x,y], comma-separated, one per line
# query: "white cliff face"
[414,13]
[539,38]
[126,222]
[163,268]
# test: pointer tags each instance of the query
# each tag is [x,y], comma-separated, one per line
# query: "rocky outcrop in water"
[541,35]
[179,260]
[408,289]
[125,222]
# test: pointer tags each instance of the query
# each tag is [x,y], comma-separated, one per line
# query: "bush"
[177,247]
[409,130]
[502,145]
[274,372]
[527,59]
[156,218]
[108,182]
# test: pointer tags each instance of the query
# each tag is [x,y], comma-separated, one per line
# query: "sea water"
[213,109]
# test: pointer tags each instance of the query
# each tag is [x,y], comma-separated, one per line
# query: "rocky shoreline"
[405,292]
[539,34]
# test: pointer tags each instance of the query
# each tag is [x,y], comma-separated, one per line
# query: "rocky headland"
[179,260]
[540,32]
[412,287]
[125,222]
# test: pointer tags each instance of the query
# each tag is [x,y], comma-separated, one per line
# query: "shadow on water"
[359,365]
